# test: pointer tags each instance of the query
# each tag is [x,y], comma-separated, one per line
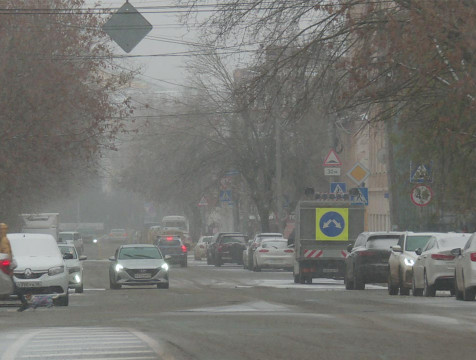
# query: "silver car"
[74,266]
[401,261]
[465,270]
[138,264]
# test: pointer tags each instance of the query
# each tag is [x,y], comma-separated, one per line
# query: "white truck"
[323,232]
[42,223]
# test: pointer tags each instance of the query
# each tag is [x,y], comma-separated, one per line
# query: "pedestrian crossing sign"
[338,188]
[332,224]
[360,196]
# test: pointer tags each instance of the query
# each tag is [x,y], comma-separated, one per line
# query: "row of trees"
[58,108]
[316,66]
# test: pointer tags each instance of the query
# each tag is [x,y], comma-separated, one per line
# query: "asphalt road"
[231,313]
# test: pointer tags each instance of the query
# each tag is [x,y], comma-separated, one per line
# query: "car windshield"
[65,236]
[68,250]
[277,244]
[118,231]
[451,243]
[165,242]
[176,224]
[139,252]
[414,242]
[383,242]
[207,239]
[233,239]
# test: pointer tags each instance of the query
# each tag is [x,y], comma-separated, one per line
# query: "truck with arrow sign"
[322,232]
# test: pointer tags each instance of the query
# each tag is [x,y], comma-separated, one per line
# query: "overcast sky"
[167,37]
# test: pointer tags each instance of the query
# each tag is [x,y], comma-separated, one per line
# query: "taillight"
[288,251]
[184,248]
[219,248]
[169,238]
[365,253]
[442,257]
[472,256]
[5,266]
[263,250]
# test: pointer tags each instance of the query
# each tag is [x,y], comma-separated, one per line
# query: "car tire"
[296,278]
[209,262]
[113,285]
[349,285]
[79,290]
[217,262]
[163,285]
[458,293]
[183,263]
[404,291]
[392,289]
[62,300]
[428,290]
[359,283]
[256,268]
[468,293]
[415,291]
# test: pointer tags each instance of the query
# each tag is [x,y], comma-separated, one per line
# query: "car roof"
[269,234]
[270,239]
[137,245]
[28,236]
[68,232]
[377,233]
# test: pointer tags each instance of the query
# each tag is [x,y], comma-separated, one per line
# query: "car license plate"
[28,284]
[330,270]
[142,276]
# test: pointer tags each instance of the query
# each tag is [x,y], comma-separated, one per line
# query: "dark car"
[172,245]
[367,261]
[212,243]
[228,248]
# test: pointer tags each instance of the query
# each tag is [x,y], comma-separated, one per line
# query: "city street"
[231,313]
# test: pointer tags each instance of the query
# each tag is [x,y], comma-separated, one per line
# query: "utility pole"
[279,190]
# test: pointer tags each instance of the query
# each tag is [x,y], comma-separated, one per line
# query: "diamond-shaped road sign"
[127,27]
[359,173]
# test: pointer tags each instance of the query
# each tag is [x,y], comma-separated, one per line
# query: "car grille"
[133,272]
[34,275]
[74,269]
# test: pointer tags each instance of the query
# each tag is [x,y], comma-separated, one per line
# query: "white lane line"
[86,337]
[86,353]
[51,347]
[124,358]
[151,343]
[12,351]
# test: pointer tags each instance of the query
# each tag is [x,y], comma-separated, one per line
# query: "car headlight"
[119,267]
[77,278]
[409,262]
[55,270]
[165,266]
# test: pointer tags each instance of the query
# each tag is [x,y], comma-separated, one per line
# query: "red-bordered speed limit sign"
[421,195]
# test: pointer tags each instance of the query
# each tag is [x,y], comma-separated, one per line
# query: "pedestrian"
[6,248]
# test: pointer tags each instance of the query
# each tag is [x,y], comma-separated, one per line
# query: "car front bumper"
[141,276]
[45,284]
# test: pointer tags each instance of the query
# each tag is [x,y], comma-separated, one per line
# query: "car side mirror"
[83,257]
[350,247]
[167,257]
[68,256]
[397,248]
[112,258]
[418,251]
[456,252]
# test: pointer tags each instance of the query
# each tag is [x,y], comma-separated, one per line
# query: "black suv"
[226,248]
[172,245]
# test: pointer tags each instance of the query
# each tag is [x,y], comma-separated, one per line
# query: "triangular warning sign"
[203,201]
[332,159]
[338,190]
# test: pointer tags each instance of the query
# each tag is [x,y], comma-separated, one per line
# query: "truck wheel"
[309,279]
[359,283]
[302,279]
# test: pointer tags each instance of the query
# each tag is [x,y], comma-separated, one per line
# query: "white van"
[72,238]
[40,266]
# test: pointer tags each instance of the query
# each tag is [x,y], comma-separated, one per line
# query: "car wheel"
[428,290]
[392,289]
[458,293]
[183,263]
[296,278]
[250,263]
[79,290]
[209,262]
[349,285]
[415,291]
[62,300]
[302,279]
[468,293]
[163,285]
[113,285]
[217,262]
[359,283]
[404,291]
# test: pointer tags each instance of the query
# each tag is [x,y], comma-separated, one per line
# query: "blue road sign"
[338,188]
[361,197]
[420,173]
[332,224]
[225,196]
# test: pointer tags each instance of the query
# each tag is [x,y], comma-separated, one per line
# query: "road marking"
[86,353]
[256,306]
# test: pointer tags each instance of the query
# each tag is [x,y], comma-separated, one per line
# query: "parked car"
[256,242]
[200,249]
[138,264]
[172,246]
[367,261]
[273,253]
[40,266]
[465,270]
[6,276]
[74,266]
[72,237]
[401,261]
[118,235]
[213,243]
[434,267]
[228,248]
